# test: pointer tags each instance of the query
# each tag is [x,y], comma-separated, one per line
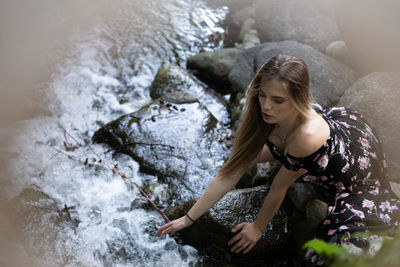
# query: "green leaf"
[331,250]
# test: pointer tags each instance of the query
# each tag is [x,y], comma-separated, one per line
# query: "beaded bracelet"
[189,218]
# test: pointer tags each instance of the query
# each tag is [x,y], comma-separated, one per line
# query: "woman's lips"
[265,116]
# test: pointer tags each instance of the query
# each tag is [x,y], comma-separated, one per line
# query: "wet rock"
[316,211]
[242,15]
[376,97]
[300,194]
[329,79]
[174,79]
[212,231]
[339,51]
[214,67]
[175,138]
[371,32]
[309,22]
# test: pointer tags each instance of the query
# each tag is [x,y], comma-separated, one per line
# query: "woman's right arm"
[218,187]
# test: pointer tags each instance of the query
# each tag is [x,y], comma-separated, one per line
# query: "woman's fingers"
[238,245]
[249,248]
[238,227]
[162,229]
[244,246]
[234,239]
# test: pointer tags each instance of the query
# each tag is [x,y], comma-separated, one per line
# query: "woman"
[335,148]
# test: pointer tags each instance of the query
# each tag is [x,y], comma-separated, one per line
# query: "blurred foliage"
[337,256]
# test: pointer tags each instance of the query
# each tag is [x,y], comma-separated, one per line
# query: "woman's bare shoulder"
[309,138]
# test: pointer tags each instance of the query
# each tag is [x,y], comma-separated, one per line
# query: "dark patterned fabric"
[352,168]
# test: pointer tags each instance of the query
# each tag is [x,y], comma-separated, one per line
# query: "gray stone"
[329,79]
[339,51]
[300,194]
[316,211]
[371,32]
[214,67]
[310,22]
[153,137]
[376,96]
[247,26]
[242,15]
[213,230]
[171,80]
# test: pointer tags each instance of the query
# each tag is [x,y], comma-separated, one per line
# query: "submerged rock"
[175,138]
[211,232]
[173,79]
[329,79]
[215,66]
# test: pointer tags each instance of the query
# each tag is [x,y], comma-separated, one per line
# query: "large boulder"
[214,67]
[329,79]
[376,96]
[173,79]
[371,31]
[310,22]
[211,232]
[175,138]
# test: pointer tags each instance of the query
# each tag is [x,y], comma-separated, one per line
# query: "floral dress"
[352,168]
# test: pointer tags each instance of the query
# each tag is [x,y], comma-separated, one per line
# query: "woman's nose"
[266,104]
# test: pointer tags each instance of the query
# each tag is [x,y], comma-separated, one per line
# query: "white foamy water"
[107,73]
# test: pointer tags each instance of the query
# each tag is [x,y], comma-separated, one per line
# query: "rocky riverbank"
[178,138]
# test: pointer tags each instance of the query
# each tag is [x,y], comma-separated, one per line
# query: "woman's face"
[274,102]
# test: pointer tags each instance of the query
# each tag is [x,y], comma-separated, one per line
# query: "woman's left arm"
[251,232]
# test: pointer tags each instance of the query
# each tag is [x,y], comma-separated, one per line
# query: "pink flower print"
[385,206]
[386,218]
[343,227]
[367,177]
[309,178]
[291,161]
[384,164]
[342,211]
[351,188]
[316,157]
[341,202]
[341,147]
[342,195]
[327,222]
[373,154]
[303,170]
[353,117]
[368,204]
[374,192]
[363,162]
[353,178]
[324,178]
[330,209]
[340,186]
[359,213]
[345,168]
[331,232]
[359,192]
[344,124]
[323,161]
[365,143]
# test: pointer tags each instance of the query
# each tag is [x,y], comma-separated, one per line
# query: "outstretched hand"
[246,239]
[174,226]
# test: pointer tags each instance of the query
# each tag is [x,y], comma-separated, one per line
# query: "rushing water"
[107,73]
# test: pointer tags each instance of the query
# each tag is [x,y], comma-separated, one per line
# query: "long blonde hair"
[252,132]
